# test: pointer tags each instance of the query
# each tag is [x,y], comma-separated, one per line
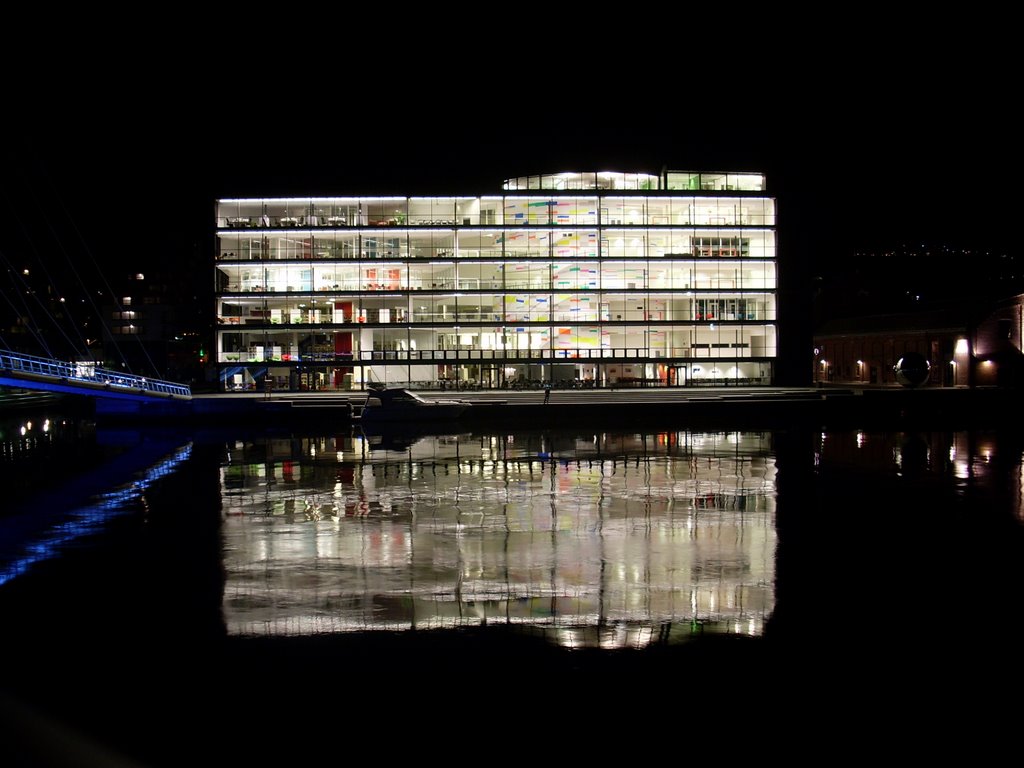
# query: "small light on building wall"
[824,362]
[961,346]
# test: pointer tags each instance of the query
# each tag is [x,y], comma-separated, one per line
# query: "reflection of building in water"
[984,464]
[35,436]
[960,455]
[612,539]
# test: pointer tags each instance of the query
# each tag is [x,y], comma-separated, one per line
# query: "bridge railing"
[88,372]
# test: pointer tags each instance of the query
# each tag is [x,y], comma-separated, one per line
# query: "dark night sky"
[858,156]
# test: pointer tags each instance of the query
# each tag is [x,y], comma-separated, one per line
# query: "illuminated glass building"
[581,279]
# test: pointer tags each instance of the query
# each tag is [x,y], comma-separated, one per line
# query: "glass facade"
[609,279]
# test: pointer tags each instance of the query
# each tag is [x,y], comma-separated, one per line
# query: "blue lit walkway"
[29,372]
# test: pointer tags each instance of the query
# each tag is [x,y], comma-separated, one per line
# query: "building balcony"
[705,352]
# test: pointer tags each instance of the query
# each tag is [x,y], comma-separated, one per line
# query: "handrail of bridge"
[88,373]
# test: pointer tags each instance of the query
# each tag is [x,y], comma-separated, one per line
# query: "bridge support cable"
[110,291]
[22,289]
[24,311]
[66,310]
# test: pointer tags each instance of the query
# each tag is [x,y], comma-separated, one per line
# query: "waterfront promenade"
[719,408]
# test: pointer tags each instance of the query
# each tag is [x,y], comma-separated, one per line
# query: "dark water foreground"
[242,607]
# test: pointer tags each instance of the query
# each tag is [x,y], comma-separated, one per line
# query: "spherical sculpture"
[912,369]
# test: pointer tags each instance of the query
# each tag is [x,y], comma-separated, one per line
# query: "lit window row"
[502,211]
[498,244]
[508,308]
[534,276]
[499,342]
[612,180]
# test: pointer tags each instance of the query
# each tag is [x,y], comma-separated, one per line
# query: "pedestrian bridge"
[30,372]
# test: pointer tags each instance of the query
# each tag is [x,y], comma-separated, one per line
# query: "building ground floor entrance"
[494,375]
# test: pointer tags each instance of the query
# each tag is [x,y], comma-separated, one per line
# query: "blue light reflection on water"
[51,541]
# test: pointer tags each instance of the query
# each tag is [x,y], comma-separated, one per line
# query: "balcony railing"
[724,352]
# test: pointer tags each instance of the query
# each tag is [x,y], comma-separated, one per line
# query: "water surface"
[222,592]
[598,539]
